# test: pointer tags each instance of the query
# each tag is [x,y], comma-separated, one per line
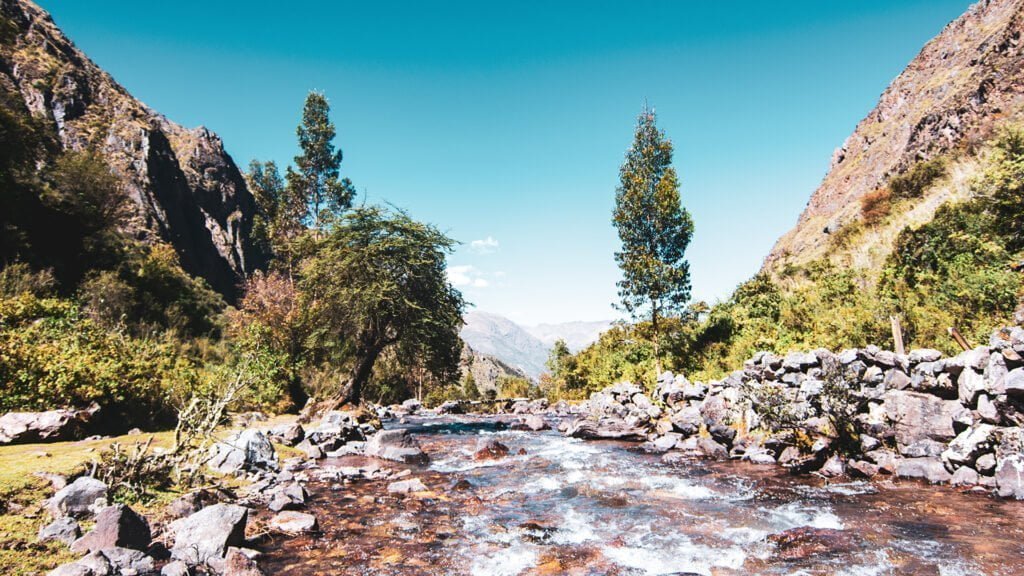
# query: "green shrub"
[914,182]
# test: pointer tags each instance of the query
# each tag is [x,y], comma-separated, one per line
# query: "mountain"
[505,340]
[577,335]
[961,87]
[487,370]
[186,190]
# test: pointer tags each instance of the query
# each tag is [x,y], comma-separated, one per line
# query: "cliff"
[185,188]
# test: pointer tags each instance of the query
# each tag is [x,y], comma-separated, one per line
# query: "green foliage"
[470,391]
[279,209]
[316,178]
[516,387]
[654,228]
[378,280]
[914,182]
[1002,184]
[50,355]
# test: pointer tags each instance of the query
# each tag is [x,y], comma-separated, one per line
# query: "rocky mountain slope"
[186,189]
[962,86]
[505,340]
[487,371]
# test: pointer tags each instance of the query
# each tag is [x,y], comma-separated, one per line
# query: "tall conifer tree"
[317,175]
[655,231]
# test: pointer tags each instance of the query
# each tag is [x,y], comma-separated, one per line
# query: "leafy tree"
[316,178]
[558,358]
[378,280]
[655,231]
[469,388]
[279,212]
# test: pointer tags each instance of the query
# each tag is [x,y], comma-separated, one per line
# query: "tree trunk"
[657,342]
[352,392]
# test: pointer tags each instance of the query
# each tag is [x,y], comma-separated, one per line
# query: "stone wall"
[862,412]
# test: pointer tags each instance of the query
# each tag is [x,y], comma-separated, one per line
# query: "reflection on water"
[558,505]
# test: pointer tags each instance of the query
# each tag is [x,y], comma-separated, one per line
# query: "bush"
[914,182]
[875,206]
[50,355]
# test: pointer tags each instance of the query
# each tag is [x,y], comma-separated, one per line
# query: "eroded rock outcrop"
[185,188]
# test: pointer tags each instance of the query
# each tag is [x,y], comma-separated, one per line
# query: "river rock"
[833,467]
[407,486]
[535,423]
[246,451]
[687,420]
[930,469]
[72,569]
[176,568]
[208,533]
[288,434]
[964,476]
[238,563]
[291,522]
[491,450]
[606,428]
[117,526]
[1010,477]
[287,497]
[986,464]
[79,498]
[49,426]
[411,406]
[63,529]
[862,469]
[808,542]
[397,446]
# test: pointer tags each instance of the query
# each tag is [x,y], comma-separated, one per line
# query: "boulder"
[288,434]
[491,450]
[964,476]
[63,529]
[451,407]
[535,423]
[72,569]
[287,497]
[1010,477]
[291,522]
[79,498]
[862,469]
[986,464]
[406,486]
[930,469]
[808,542]
[117,526]
[125,561]
[49,426]
[1013,383]
[176,568]
[246,451]
[397,446]
[687,420]
[924,355]
[412,406]
[968,445]
[207,534]
[833,467]
[969,385]
[187,504]
[238,563]
[916,416]
[609,428]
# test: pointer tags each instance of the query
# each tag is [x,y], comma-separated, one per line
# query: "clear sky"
[504,123]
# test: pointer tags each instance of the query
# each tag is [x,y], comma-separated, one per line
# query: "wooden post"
[959,338]
[897,335]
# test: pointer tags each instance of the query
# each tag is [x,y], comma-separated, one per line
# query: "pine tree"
[316,177]
[655,231]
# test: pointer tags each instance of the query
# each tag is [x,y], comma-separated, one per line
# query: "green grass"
[22,493]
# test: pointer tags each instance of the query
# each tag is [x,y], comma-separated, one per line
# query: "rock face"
[185,188]
[49,426]
[960,86]
[207,534]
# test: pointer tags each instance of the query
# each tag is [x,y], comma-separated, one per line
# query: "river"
[558,505]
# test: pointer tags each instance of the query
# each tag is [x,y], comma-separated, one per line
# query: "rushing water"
[559,505]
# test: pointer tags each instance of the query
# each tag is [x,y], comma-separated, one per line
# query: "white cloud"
[467,276]
[486,246]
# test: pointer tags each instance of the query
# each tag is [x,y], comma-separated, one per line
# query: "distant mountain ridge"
[577,335]
[521,347]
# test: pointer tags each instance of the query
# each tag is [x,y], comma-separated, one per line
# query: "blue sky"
[504,124]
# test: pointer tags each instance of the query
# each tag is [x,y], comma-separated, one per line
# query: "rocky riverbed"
[552,504]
